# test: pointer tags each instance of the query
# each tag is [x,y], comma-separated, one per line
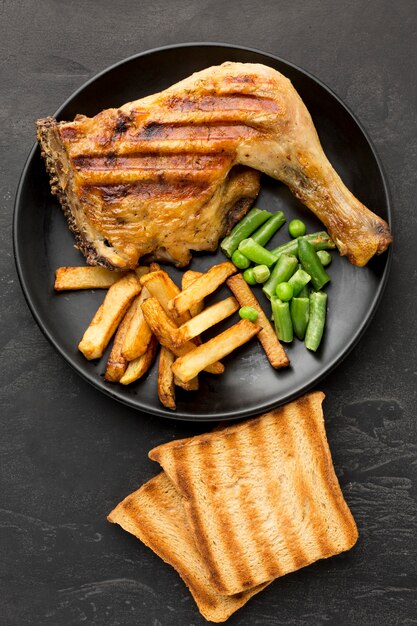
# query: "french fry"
[109,316]
[165,330]
[187,278]
[155,267]
[142,270]
[117,363]
[85,277]
[189,365]
[201,287]
[166,387]
[164,289]
[137,368]
[204,320]
[267,336]
[138,334]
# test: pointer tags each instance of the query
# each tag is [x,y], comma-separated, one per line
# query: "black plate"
[42,243]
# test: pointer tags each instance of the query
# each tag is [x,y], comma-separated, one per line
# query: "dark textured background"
[68,453]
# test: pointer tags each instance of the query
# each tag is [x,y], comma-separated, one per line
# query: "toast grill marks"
[302,515]
[155,515]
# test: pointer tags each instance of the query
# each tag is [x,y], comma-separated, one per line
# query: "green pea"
[240,260]
[296,228]
[284,291]
[248,313]
[249,277]
[325,257]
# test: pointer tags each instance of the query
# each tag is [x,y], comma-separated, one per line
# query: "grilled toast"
[154,513]
[261,497]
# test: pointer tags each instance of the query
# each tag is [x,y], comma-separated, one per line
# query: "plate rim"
[161,411]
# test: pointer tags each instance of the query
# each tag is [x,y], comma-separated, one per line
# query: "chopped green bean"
[256,253]
[248,313]
[298,281]
[303,293]
[296,228]
[261,273]
[325,257]
[311,264]
[282,320]
[249,277]
[299,309]
[243,229]
[240,260]
[319,241]
[284,291]
[315,328]
[282,272]
[269,228]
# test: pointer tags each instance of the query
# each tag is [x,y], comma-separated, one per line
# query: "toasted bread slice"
[261,497]
[156,516]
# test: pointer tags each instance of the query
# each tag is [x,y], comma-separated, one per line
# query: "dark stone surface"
[68,454]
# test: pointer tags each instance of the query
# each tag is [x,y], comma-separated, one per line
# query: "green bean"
[319,241]
[243,229]
[299,280]
[268,230]
[261,273]
[325,257]
[256,253]
[315,328]
[248,313]
[303,293]
[249,277]
[282,320]
[299,309]
[311,264]
[282,272]
[240,260]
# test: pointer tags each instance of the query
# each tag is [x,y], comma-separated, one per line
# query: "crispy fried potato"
[267,336]
[138,334]
[155,267]
[187,278]
[204,320]
[137,368]
[117,363]
[165,330]
[166,387]
[108,316]
[85,277]
[201,287]
[142,270]
[189,365]
[164,289]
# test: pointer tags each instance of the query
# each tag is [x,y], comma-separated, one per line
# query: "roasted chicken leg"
[158,176]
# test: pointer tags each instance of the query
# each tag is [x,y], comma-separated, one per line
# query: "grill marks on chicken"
[170,173]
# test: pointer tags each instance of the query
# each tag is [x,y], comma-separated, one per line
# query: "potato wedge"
[85,277]
[189,365]
[166,387]
[138,334]
[187,278]
[267,335]
[201,287]
[204,320]
[109,316]
[117,363]
[164,289]
[137,368]
[166,331]
[141,270]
